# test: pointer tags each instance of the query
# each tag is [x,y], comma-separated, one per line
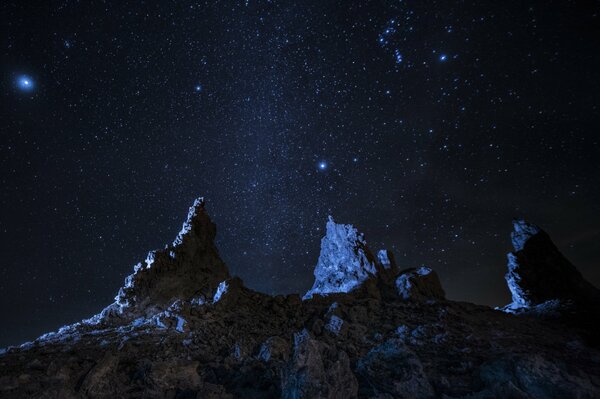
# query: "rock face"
[539,273]
[183,328]
[394,370]
[345,262]
[318,371]
[420,284]
[189,267]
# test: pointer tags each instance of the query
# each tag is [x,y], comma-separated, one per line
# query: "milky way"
[428,125]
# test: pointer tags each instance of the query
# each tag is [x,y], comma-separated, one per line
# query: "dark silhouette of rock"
[182,327]
[420,284]
[393,369]
[189,267]
[318,371]
[539,273]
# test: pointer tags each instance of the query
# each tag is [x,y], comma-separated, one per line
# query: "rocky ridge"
[182,327]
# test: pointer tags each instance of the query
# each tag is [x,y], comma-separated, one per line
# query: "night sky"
[429,125]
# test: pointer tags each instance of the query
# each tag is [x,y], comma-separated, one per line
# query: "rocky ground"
[182,327]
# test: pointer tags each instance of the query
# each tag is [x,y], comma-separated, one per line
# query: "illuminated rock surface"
[345,262]
[182,327]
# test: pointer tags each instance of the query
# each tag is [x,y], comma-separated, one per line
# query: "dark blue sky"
[437,122]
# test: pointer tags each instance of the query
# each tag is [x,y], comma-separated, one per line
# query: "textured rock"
[538,272]
[535,377]
[274,348]
[419,284]
[189,267]
[208,336]
[97,382]
[317,371]
[393,369]
[345,261]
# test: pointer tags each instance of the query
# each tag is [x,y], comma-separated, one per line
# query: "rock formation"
[188,268]
[420,284]
[346,264]
[540,276]
[182,327]
[345,261]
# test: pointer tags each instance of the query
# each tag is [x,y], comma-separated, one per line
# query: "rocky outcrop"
[345,262]
[420,284]
[318,371]
[533,376]
[393,369]
[188,268]
[538,274]
[184,328]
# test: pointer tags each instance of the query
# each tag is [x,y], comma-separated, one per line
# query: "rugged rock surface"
[189,267]
[420,284]
[345,261]
[199,333]
[540,278]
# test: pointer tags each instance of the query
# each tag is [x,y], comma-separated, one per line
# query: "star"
[198,88]
[443,57]
[398,56]
[322,165]
[25,83]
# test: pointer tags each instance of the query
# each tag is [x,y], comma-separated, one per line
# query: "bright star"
[198,88]
[443,57]
[25,83]
[322,165]
[398,56]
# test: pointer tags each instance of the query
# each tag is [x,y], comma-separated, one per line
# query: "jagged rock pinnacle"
[522,231]
[190,267]
[538,272]
[344,263]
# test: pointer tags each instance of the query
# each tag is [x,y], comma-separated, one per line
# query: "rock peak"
[196,209]
[538,272]
[190,267]
[522,232]
[345,261]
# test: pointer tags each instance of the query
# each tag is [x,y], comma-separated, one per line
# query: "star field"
[427,124]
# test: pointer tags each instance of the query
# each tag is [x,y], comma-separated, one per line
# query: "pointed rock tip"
[344,262]
[386,259]
[195,210]
[522,231]
[330,223]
